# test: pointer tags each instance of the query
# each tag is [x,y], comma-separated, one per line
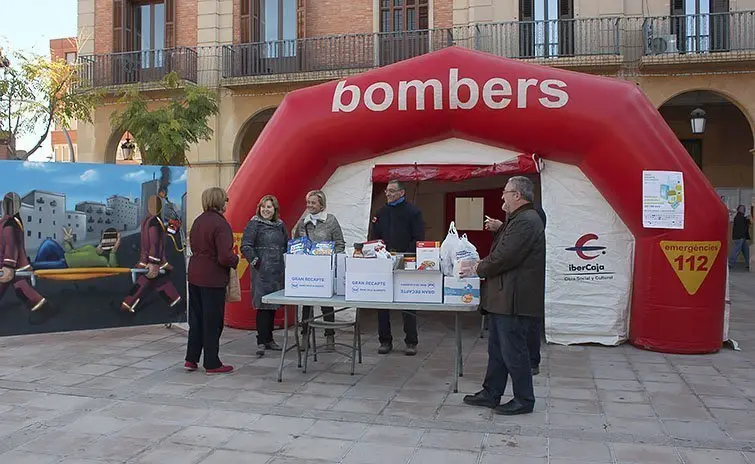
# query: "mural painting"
[88,246]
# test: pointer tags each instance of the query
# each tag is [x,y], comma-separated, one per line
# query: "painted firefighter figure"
[13,255]
[152,257]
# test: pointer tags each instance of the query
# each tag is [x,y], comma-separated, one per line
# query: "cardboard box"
[369,279]
[428,256]
[340,278]
[461,291]
[417,286]
[309,276]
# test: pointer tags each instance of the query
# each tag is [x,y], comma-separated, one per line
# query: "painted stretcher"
[81,273]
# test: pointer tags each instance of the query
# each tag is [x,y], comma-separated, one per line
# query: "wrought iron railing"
[137,67]
[533,39]
[586,42]
[700,33]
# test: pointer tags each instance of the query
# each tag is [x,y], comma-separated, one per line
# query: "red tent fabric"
[605,126]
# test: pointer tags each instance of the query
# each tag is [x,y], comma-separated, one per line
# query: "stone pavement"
[121,396]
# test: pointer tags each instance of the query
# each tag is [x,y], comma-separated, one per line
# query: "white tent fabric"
[349,189]
[588,282]
[579,309]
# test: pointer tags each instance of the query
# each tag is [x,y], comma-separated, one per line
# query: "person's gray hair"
[524,186]
[399,185]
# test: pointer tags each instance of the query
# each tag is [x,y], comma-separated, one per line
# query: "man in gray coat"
[514,296]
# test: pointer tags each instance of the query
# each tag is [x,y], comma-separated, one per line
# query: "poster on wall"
[589,261]
[662,200]
[90,246]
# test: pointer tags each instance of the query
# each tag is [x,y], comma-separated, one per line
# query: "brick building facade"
[685,54]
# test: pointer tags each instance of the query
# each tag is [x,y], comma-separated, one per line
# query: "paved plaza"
[121,396]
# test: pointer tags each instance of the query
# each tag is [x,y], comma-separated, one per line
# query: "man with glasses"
[399,224]
[514,297]
[536,330]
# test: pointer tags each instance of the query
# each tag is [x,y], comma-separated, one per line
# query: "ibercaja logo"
[587,249]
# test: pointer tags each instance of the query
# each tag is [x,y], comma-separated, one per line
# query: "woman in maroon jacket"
[211,241]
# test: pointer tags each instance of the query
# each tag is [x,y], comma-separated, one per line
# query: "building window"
[28,219]
[695,149]
[53,222]
[71,58]
[39,235]
[53,211]
[270,21]
[28,233]
[403,15]
[69,217]
[403,29]
[40,209]
[700,25]
[546,28]
[54,236]
[40,220]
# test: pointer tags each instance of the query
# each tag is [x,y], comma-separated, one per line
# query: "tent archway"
[606,127]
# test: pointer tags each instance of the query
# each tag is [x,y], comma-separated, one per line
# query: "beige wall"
[726,158]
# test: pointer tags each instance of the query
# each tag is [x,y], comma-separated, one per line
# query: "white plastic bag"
[465,251]
[448,250]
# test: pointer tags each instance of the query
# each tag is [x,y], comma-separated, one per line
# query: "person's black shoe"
[482,398]
[385,348]
[410,350]
[535,370]
[514,407]
[272,346]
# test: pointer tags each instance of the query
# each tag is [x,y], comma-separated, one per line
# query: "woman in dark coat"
[263,245]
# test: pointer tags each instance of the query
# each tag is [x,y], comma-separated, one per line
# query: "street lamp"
[127,148]
[697,121]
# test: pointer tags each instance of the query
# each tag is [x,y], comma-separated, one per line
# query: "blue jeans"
[738,245]
[508,355]
[534,335]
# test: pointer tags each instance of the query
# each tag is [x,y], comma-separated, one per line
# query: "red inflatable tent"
[606,127]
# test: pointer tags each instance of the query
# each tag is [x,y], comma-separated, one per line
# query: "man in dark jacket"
[399,224]
[535,333]
[740,234]
[515,298]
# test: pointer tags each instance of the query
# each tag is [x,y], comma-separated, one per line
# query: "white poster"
[662,200]
[589,261]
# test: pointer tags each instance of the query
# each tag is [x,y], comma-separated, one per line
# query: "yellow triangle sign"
[243,263]
[691,261]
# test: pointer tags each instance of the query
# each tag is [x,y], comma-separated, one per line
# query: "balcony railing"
[137,67]
[586,43]
[700,33]
[535,39]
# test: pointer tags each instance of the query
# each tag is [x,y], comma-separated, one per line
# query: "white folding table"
[337,301]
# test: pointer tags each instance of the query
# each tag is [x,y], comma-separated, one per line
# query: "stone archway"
[723,150]
[114,152]
[249,132]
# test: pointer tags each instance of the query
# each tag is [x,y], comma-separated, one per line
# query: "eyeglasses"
[509,191]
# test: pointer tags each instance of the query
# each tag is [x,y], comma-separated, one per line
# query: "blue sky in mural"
[85,182]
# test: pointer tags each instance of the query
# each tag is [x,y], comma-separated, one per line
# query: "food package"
[299,246]
[323,248]
[371,248]
[428,256]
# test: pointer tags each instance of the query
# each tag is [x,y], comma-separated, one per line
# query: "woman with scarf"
[263,245]
[320,226]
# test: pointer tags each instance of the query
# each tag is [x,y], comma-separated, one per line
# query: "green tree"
[35,92]
[165,133]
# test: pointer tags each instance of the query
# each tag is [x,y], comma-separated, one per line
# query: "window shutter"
[565,9]
[719,6]
[245,21]
[170,24]
[677,8]
[257,24]
[301,19]
[526,10]
[117,26]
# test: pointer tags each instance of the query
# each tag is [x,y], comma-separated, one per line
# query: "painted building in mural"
[77,222]
[44,216]
[125,212]
[99,217]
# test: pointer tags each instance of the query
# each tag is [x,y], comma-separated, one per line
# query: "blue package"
[299,246]
[323,248]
